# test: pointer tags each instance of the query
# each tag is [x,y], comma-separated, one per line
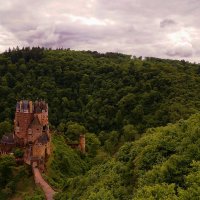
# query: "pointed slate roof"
[35,122]
[43,139]
[8,138]
[38,109]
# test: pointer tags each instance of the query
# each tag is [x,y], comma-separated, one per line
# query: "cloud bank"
[138,27]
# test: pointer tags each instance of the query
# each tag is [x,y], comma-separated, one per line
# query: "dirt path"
[49,192]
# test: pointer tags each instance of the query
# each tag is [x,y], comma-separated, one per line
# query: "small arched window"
[29,131]
[44,128]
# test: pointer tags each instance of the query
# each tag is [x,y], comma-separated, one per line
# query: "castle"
[31,132]
[32,136]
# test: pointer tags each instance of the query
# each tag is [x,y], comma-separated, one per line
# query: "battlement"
[26,106]
[31,121]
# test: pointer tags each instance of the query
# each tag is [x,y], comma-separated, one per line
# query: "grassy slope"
[63,163]
[25,187]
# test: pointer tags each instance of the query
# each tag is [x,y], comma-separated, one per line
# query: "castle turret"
[26,112]
[18,107]
[23,118]
[31,106]
[82,143]
[25,106]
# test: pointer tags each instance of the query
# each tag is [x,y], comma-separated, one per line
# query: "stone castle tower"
[31,130]
[31,133]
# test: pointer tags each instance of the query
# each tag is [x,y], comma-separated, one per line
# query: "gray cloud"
[167,29]
[184,50]
[167,22]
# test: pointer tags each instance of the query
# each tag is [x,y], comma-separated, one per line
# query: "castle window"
[44,128]
[17,129]
[29,131]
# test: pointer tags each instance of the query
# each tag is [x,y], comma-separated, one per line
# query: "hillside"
[16,182]
[163,164]
[140,118]
[103,92]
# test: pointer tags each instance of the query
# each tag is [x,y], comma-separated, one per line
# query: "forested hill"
[164,164]
[103,92]
[132,111]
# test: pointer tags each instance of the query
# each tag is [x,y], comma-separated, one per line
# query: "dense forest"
[163,164]
[139,115]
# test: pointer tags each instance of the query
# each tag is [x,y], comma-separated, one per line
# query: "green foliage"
[72,130]
[156,192]
[18,153]
[192,180]
[162,164]
[92,144]
[102,92]
[6,164]
[10,176]
[5,127]
[38,195]
[99,183]
[130,133]
[112,142]
[113,99]
[65,162]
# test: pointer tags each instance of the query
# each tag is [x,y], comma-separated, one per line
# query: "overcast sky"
[158,28]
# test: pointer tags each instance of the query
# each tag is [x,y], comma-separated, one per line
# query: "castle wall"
[80,146]
[38,150]
[48,149]
[22,121]
[43,118]
[20,141]
[34,133]
[6,148]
